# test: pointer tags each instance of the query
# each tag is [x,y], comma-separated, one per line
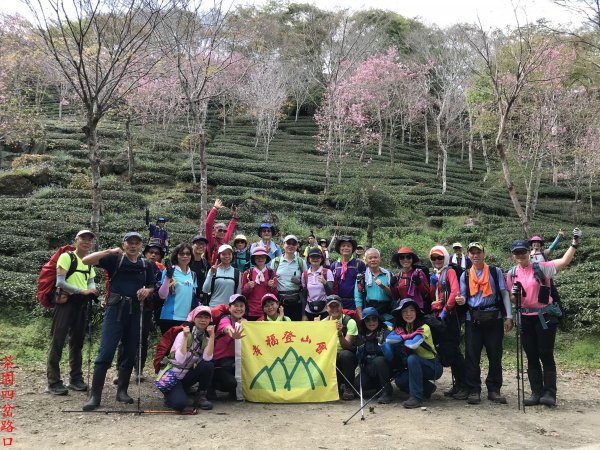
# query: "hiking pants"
[121,324]
[70,319]
[374,374]
[538,345]
[224,376]
[147,326]
[415,380]
[475,339]
[457,359]
[201,374]
[346,362]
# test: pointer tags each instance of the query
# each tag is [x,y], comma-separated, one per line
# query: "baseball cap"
[519,245]
[457,244]
[237,297]
[334,299]
[290,237]
[132,234]
[478,245]
[199,237]
[82,232]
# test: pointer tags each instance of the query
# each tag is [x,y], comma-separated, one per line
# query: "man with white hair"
[374,288]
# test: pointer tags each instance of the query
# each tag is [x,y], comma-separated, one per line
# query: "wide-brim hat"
[404,303]
[404,251]
[343,239]
[240,237]
[259,251]
[153,244]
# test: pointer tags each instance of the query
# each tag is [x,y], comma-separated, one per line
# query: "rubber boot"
[96,390]
[200,401]
[123,385]
[549,396]
[386,395]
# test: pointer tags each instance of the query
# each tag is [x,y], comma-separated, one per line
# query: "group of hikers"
[400,326]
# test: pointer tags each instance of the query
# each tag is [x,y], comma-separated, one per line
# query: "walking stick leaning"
[89,333]
[139,355]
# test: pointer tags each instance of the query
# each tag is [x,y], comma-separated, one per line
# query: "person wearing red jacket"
[216,233]
[443,305]
[412,282]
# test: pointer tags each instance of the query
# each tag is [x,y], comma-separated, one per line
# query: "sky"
[491,13]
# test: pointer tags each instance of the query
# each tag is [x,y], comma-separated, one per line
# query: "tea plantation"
[45,199]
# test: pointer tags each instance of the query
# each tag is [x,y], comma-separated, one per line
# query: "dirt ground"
[443,424]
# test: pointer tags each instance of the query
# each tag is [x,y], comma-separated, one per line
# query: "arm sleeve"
[164,287]
[208,229]
[208,355]
[357,296]
[239,289]
[507,306]
[91,283]
[549,269]
[179,357]
[62,284]
[230,230]
[555,243]
[207,282]
[454,289]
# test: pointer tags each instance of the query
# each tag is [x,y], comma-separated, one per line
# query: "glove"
[170,269]
[516,289]
[416,279]
[443,314]
[296,280]
[576,234]
[433,280]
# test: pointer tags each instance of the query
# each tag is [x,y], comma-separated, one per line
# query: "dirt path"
[443,424]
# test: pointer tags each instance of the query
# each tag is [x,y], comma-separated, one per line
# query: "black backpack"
[499,303]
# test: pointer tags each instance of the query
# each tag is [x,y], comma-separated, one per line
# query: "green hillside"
[46,198]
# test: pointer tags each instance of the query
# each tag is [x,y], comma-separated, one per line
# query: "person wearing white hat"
[458,258]
[223,279]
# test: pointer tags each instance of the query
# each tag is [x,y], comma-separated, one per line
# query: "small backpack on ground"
[46,285]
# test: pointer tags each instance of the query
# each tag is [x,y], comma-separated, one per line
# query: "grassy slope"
[289,185]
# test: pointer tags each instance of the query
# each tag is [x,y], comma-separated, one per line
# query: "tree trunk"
[90,130]
[329,155]
[470,148]
[381,137]
[426,141]
[203,179]
[444,154]
[129,148]
[297,111]
[590,185]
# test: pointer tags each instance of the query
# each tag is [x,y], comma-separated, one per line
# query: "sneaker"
[548,399]
[412,403]
[496,397]
[462,394]
[474,398]
[57,389]
[347,394]
[78,385]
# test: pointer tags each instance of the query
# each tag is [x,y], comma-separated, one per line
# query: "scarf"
[484,283]
[260,275]
[344,269]
[369,276]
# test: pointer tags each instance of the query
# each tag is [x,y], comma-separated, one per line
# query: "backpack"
[445,350]
[305,275]
[236,281]
[499,303]
[46,285]
[277,260]
[539,276]
[163,349]
[270,274]
[108,279]
[338,265]
[444,280]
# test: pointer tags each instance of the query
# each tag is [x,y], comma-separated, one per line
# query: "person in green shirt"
[76,288]
[271,309]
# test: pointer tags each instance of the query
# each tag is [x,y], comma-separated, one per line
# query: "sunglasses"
[221,230]
[185,254]
[372,319]
[291,243]
[404,257]
[437,258]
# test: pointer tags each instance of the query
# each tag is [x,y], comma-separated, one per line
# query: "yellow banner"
[289,362]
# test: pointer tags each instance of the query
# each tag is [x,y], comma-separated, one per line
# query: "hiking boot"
[200,401]
[123,385]
[534,399]
[474,398]
[347,393]
[96,390]
[57,389]
[462,394]
[386,396]
[78,385]
[496,397]
[412,403]
[211,394]
[548,399]
[453,390]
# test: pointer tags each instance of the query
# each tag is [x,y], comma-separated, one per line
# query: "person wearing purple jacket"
[346,270]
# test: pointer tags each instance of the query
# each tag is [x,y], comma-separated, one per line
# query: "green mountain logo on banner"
[290,372]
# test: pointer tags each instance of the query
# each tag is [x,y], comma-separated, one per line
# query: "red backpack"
[46,285]
[164,346]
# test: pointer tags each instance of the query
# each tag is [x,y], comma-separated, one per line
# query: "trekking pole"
[139,364]
[348,382]
[520,368]
[366,403]
[362,410]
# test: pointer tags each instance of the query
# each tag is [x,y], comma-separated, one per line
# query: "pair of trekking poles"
[519,342]
[139,410]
